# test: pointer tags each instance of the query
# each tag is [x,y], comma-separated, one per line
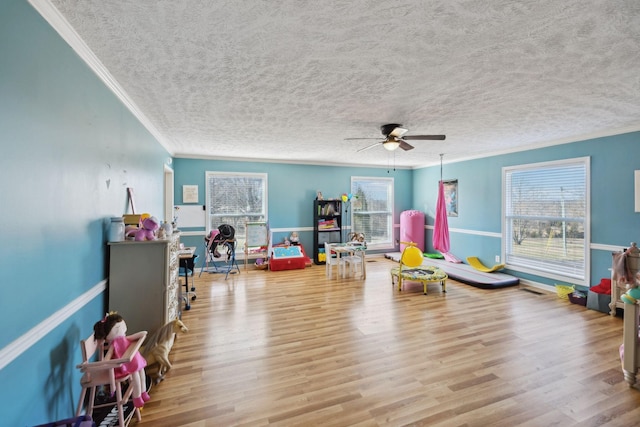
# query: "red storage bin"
[288,258]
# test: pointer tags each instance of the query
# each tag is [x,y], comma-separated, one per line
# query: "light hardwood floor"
[294,348]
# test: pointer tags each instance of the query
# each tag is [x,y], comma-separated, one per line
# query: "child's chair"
[187,267]
[333,260]
[354,263]
[101,372]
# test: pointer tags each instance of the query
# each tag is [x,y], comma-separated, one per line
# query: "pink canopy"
[441,226]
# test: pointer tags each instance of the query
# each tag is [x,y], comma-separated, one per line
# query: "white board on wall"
[191,216]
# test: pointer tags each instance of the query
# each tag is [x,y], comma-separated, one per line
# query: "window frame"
[390,187]
[240,236]
[559,271]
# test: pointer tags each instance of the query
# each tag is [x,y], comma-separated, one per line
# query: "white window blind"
[372,210]
[235,199]
[546,219]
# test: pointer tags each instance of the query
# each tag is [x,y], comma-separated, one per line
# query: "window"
[546,219]
[235,199]
[372,210]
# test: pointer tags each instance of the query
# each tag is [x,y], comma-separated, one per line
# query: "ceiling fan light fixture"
[391,144]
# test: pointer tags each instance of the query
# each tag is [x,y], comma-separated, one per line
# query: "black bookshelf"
[327,226]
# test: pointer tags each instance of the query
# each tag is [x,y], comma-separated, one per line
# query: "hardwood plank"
[295,348]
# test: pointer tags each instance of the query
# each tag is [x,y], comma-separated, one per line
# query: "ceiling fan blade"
[405,145]
[368,146]
[354,139]
[398,132]
[424,137]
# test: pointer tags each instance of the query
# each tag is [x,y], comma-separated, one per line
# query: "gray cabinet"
[143,282]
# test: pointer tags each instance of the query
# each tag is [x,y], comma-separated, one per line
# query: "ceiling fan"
[395,138]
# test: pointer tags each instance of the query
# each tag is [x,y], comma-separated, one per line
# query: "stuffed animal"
[113,329]
[356,237]
[147,231]
[631,296]
[156,349]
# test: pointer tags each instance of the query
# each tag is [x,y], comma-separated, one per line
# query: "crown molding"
[73,39]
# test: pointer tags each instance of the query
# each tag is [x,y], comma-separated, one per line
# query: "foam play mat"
[467,274]
[433,255]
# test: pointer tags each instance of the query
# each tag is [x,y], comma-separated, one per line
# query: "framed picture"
[451,196]
[189,194]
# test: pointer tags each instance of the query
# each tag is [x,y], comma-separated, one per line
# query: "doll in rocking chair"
[113,329]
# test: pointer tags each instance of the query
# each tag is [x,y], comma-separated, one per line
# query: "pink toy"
[147,231]
[113,329]
[412,229]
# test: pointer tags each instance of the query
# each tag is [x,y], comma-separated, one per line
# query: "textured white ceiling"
[290,79]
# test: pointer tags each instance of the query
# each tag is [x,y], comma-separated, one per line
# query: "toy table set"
[290,257]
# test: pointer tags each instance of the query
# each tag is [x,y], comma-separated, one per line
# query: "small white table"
[350,250]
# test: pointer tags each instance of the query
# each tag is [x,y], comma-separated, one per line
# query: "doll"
[113,329]
[294,239]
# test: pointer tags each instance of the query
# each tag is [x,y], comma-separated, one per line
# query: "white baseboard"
[547,289]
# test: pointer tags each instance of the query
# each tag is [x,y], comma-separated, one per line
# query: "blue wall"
[291,191]
[71,149]
[614,224]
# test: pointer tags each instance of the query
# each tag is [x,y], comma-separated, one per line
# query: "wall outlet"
[497,258]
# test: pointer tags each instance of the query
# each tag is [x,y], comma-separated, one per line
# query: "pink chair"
[99,370]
